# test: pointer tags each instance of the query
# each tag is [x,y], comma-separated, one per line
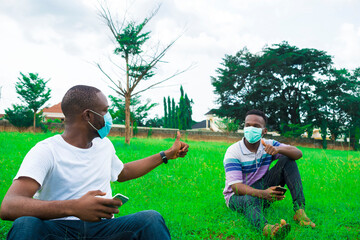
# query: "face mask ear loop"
[93,126]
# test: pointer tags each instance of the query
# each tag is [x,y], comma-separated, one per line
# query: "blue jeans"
[284,172]
[142,225]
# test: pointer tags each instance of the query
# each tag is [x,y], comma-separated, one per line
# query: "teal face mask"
[104,131]
[252,134]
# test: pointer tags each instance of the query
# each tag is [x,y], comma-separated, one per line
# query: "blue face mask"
[252,134]
[104,131]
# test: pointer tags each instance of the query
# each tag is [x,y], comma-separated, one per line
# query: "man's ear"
[86,115]
[265,131]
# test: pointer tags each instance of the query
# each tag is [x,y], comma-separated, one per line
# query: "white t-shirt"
[66,172]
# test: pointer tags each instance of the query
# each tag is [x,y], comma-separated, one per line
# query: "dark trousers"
[142,225]
[285,172]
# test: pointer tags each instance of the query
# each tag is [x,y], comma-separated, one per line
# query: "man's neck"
[76,137]
[251,147]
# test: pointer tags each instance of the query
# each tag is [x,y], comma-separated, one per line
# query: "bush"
[22,117]
[19,116]
[294,130]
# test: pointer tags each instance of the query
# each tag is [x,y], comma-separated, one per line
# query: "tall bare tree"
[137,64]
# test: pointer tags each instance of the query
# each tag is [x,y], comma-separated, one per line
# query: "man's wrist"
[259,193]
[70,207]
[164,157]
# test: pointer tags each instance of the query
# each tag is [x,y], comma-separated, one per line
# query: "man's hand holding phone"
[121,197]
[275,193]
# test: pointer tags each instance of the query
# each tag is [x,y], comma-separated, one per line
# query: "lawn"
[188,191]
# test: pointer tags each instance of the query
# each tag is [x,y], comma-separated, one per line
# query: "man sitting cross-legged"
[62,189]
[250,185]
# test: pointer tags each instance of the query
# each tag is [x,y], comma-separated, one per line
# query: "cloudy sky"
[62,39]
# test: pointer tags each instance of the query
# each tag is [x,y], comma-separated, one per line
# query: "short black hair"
[257,112]
[79,98]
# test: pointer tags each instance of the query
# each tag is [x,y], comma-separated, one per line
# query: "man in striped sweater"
[250,186]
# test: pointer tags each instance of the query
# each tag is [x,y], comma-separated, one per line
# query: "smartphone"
[123,198]
[281,189]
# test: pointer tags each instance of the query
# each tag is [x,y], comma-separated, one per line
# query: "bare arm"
[19,202]
[289,151]
[141,167]
[268,194]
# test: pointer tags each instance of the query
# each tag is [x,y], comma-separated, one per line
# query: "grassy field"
[188,192]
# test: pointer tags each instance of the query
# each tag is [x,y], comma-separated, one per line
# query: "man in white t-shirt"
[62,189]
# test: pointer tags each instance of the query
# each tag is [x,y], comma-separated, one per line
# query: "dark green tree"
[174,121]
[19,116]
[170,114]
[179,115]
[166,117]
[155,122]
[33,91]
[297,88]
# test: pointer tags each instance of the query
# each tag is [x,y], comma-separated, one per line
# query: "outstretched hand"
[178,149]
[269,148]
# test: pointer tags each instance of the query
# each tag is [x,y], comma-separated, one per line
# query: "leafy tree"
[22,117]
[19,116]
[155,122]
[174,121]
[276,81]
[297,88]
[33,91]
[350,104]
[228,125]
[139,112]
[138,65]
[294,130]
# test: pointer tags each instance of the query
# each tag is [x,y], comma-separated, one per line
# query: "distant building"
[54,112]
[199,125]
[210,123]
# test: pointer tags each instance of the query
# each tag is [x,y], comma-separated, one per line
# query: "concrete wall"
[195,135]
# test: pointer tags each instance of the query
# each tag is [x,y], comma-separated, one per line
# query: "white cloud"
[348,43]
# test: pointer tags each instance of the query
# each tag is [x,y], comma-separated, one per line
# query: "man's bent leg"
[251,207]
[35,228]
[287,172]
[142,225]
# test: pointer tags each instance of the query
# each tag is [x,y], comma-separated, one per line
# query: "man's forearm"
[15,207]
[139,168]
[243,189]
[290,151]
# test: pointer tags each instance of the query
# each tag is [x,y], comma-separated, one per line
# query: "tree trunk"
[34,121]
[127,118]
[132,129]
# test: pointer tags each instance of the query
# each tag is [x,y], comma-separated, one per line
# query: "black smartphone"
[281,189]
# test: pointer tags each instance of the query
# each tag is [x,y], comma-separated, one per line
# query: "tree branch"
[119,82]
[166,79]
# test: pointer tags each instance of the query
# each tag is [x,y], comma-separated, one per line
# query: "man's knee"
[27,222]
[25,228]
[286,161]
[150,216]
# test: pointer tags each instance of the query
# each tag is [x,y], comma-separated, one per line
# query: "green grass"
[188,191]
